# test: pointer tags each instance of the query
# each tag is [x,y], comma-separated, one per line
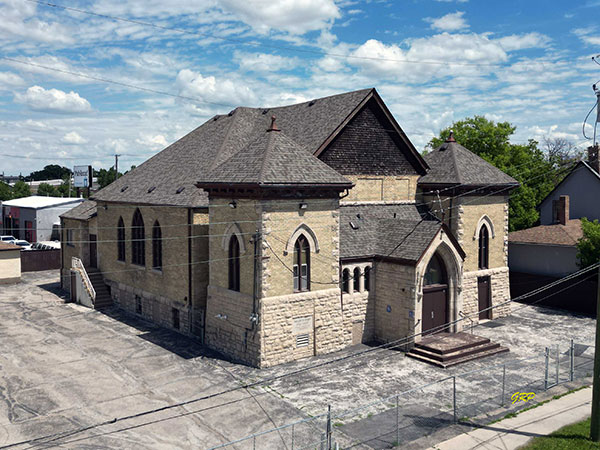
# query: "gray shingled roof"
[274,159]
[84,211]
[377,233]
[451,163]
[195,155]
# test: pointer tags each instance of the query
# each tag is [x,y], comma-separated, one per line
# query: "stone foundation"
[228,328]
[156,309]
[500,288]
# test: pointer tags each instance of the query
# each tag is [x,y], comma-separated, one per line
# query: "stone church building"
[279,233]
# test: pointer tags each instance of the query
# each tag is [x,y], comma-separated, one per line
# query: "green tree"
[5,192]
[21,189]
[49,172]
[47,190]
[105,177]
[526,163]
[588,247]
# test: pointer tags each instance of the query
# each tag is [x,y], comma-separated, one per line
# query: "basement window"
[175,317]
[302,340]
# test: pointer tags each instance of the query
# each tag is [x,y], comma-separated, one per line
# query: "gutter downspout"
[190,274]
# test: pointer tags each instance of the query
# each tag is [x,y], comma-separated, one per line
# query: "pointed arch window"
[157,246]
[484,248]
[121,240]
[346,281]
[234,263]
[435,273]
[356,280]
[138,236]
[301,266]
[367,283]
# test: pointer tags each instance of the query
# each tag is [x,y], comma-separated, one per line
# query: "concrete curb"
[517,431]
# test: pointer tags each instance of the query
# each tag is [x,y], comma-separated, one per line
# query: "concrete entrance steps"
[103,298]
[450,349]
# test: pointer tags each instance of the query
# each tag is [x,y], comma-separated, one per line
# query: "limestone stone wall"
[184,255]
[359,305]
[225,221]
[170,282]
[228,326]
[395,299]
[471,211]
[150,306]
[374,188]
[500,291]
[282,222]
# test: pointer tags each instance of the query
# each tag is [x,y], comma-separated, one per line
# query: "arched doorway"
[435,296]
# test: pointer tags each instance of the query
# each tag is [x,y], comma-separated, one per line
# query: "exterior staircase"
[103,298]
[450,349]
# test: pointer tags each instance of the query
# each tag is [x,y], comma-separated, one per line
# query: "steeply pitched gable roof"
[311,125]
[451,163]
[377,233]
[274,159]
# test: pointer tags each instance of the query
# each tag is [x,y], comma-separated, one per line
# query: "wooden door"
[435,308]
[93,251]
[485,297]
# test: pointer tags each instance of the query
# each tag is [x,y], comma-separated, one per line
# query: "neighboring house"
[280,233]
[10,263]
[549,250]
[582,186]
[35,218]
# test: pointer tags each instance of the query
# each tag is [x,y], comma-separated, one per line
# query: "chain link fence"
[489,392]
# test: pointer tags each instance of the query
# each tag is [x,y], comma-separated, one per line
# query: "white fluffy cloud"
[157,141]
[225,92]
[264,62]
[293,16]
[20,19]
[73,138]
[588,35]
[449,22]
[53,100]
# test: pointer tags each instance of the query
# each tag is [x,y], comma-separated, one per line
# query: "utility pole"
[595,421]
[116,166]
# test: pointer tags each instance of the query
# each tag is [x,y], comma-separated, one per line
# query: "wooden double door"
[435,308]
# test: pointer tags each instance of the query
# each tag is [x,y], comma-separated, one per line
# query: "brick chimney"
[563,209]
[593,158]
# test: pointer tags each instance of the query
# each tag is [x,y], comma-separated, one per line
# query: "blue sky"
[433,62]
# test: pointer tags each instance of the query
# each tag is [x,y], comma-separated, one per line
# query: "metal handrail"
[467,316]
[77,264]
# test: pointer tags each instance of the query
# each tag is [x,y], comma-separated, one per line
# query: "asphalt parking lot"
[67,372]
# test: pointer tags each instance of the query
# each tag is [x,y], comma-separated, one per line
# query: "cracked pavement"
[64,367]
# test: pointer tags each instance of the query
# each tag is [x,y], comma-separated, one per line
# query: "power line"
[256,44]
[389,345]
[117,83]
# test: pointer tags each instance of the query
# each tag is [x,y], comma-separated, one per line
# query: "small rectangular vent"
[302,340]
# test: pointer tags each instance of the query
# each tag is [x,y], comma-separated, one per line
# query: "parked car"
[23,244]
[9,239]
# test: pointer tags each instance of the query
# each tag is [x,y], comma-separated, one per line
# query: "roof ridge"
[225,139]
[267,153]
[452,146]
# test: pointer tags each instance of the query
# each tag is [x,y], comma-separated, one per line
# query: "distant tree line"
[54,172]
